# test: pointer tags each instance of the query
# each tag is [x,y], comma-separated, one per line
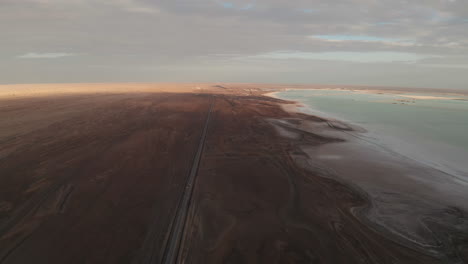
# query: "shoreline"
[365,155]
[406,93]
[455,169]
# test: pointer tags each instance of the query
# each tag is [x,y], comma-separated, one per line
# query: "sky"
[409,43]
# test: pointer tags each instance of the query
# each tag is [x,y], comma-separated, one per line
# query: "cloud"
[385,23]
[228,5]
[308,10]
[52,55]
[360,57]
[238,6]
[141,9]
[354,38]
[136,39]
[248,6]
[387,42]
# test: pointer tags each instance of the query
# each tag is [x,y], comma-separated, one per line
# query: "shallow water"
[434,132]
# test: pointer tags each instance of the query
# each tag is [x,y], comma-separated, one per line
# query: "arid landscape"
[98,173]
[233,131]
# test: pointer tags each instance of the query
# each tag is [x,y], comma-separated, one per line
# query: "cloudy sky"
[421,43]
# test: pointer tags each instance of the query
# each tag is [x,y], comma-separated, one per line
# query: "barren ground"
[94,175]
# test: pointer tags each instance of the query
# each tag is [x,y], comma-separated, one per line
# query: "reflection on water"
[433,131]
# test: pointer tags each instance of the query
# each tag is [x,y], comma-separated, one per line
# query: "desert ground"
[98,173]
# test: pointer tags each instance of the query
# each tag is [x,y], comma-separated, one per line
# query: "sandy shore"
[93,173]
[433,94]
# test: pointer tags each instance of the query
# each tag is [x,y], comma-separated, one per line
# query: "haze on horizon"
[417,43]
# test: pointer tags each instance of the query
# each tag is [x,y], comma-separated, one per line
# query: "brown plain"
[92,173]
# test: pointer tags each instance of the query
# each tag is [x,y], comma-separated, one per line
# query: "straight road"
[172,247]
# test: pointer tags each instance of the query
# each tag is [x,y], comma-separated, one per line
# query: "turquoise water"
[432,131]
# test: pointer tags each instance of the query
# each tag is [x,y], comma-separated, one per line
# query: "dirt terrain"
[96,175]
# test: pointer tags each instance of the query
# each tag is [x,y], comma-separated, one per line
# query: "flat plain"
[94,173]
